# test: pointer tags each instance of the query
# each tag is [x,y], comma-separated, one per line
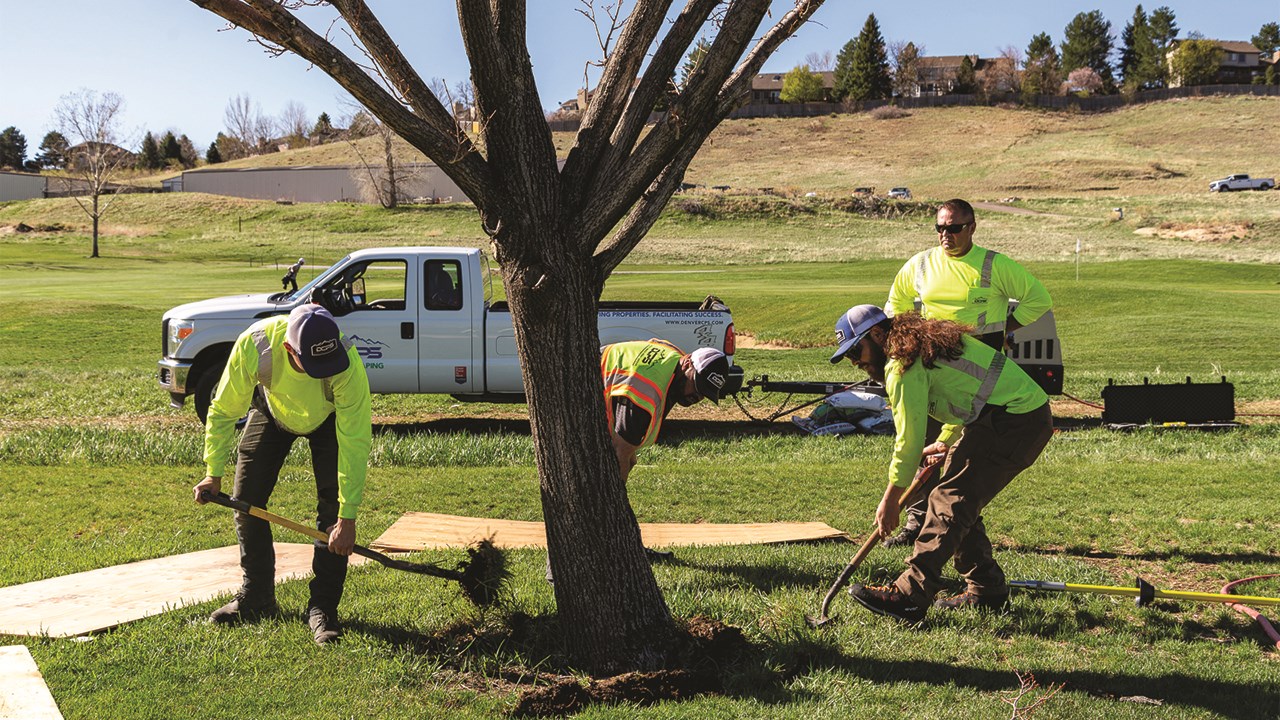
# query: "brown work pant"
[989,454]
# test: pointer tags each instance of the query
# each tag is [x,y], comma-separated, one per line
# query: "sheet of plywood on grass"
[421,531]
[99,599]
[23,694]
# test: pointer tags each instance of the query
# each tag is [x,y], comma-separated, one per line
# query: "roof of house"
[944,61]
[1235,46]
[773,81]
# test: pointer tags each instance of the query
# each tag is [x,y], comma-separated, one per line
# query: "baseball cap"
[711,372]
[854,325]
[314,335]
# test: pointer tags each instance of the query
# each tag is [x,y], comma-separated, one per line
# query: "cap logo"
[716,379]
[839,335]
[324,347]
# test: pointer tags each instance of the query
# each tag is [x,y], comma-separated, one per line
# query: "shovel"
[480,576]
[909,497]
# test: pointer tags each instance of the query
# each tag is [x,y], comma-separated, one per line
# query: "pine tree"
[53,151]
[699,51]
[212,156]
[862,68]
[1088,45]
[1163,27]
[1041,73]
[170,150]
[149,158]
[13,148]
[188,153]
[966,77]
[323,128]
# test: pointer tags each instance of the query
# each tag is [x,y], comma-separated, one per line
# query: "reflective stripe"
[987,377]
[643,390]
[924,258]
[981,327]
[263,344]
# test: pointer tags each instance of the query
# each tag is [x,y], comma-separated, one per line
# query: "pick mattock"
[481,576]
[908,497]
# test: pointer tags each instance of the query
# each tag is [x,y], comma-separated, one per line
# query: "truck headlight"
[179,330]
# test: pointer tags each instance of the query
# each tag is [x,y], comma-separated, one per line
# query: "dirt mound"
[703,645]
[1199,232]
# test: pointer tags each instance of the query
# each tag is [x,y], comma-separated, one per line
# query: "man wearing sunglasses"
[997,422]
[959,281]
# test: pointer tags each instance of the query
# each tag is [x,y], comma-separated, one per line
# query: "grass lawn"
[98,472]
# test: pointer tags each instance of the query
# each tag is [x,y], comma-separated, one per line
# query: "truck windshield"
[306,289]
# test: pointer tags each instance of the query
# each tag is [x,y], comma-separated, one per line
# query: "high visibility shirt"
[298,402]
[974,289]
[642,372]
[955,392]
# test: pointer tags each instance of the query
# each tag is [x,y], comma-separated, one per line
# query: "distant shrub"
[888,112]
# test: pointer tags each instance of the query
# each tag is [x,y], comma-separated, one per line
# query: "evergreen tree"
[862,68]
[801,85]
[1268,38]
[53,151]
[699,51]
[170,150]
[1041,74]
[1136,49]
[149,158]
[212,156]
[1087,44]
[188,154]
[13,148]
[323,128]
[1163,29]
[966,77]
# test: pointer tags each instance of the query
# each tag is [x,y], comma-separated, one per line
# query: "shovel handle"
[235,504]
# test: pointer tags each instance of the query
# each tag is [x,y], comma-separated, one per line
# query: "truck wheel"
[204,393]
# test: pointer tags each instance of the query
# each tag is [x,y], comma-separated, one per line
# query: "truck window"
[384,285]
[443,285]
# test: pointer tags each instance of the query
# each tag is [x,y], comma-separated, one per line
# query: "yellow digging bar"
[1143,592]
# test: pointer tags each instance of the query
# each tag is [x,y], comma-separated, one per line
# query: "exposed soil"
[701,645]
[1199,232]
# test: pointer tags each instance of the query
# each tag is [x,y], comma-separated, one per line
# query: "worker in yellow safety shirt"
[996,423]
[297,377]
[958,280]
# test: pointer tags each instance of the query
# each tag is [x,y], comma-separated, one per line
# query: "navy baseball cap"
[854,325]
[314,336]
[711,372]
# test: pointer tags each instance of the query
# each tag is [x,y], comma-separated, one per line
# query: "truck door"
[368,300]
[448,323]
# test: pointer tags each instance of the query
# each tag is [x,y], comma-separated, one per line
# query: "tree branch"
[739,84]
[270,21]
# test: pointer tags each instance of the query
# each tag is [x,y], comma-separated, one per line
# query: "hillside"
[981,152]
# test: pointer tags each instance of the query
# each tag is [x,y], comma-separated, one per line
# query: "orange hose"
[1229,589]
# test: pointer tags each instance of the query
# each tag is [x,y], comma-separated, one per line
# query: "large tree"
[1041,74]
[862,67]
[1087,44]
[801,85]
[1162,26]
[557,234]
[1140,64]
[1268,38]
[96,161]
[53,151]
[1195,62]
[905,59]
[13,148]
[149,157]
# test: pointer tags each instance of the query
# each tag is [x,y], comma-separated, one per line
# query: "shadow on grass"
[1256,558]
[674,432]
[523,652]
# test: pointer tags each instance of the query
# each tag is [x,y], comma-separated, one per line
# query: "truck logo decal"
[706,337]
[368,351]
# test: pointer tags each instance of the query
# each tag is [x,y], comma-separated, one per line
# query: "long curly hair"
[914,337]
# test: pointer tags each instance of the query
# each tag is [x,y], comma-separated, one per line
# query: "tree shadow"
[1256,558]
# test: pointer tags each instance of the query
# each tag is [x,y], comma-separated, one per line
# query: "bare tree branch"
[273,23]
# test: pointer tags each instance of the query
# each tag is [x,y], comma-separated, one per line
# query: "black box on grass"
[1169,403]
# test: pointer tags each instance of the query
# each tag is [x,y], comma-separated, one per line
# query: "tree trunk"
[95,227]
[612,614]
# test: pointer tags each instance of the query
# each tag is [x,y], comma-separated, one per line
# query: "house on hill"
[936,74]
[766,88]
[1241,62]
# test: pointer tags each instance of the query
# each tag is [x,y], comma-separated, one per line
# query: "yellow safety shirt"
[298,402]
[641,372]
[973,290]
[955,392]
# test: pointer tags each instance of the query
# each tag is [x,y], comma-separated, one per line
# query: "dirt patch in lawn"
[1199,232]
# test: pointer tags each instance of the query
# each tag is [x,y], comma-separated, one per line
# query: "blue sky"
[176,70]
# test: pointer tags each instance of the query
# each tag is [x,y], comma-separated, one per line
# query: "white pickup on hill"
[1241,182]
[422,320]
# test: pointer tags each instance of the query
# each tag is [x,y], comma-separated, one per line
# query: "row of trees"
[868,68]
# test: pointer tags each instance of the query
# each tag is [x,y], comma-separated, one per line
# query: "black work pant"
[989,454]
[262,452]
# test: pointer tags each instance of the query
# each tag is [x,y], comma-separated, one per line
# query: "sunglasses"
[855,352]
[953,228]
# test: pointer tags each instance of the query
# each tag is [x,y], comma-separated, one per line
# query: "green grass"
[98,468]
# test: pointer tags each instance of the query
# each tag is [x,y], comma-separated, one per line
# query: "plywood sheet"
[99,599]
[23,694]
[420,531]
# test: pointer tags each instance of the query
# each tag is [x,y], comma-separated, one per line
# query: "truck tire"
[203,394]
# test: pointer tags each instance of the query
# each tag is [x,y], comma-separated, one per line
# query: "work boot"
[888,600]
[970,599]
[906,536]
[324,625]
[242,609]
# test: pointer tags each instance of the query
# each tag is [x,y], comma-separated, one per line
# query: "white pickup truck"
[422,320]
[1241,182]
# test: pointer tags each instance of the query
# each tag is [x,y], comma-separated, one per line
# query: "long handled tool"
[909,496]
[1143,592]
[481,576]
